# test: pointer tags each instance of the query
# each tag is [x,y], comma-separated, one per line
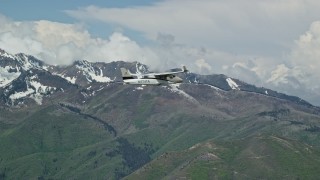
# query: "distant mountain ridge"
[81,122]
[26,77]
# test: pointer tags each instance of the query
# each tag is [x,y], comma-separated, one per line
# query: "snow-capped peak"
[28,62]
[22,61]
[5,54]
[90,73]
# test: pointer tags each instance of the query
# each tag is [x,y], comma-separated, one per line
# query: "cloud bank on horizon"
[274,44]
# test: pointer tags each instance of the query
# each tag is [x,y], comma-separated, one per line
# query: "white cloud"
[299,75]
[305,53]
[59,43]
[255,27]
[203,66]
[279,75]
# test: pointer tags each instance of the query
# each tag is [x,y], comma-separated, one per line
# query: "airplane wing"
[183,70]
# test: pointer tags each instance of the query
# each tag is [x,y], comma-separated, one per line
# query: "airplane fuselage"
[151,78]
[152,81]
[144,81]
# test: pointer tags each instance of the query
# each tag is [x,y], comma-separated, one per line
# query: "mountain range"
[80,121]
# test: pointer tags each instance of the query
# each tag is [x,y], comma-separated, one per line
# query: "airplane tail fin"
[126,74]
[184,69]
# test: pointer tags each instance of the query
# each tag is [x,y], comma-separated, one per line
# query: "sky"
[274,43]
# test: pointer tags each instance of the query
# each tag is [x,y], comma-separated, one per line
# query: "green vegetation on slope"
[56,143]
[158,134]
[267,157]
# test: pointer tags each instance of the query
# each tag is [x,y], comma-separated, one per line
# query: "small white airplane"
[152,78]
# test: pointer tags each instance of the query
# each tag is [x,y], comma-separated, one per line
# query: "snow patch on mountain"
[40,88]
[35,90]
[175,88]
[232,84]
[196,80]
[139,88]
[214,87]
[8,74]
[22,94]
[72,80]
